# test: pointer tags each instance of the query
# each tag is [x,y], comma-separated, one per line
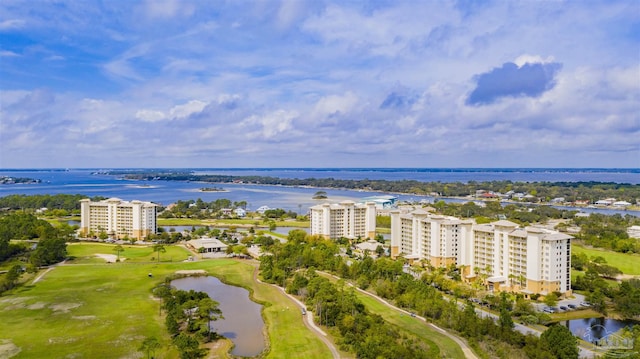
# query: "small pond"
[243,323]
[590,329]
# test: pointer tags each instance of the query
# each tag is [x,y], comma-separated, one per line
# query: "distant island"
[212,189]
[18,180]
[567,193]
[320,195]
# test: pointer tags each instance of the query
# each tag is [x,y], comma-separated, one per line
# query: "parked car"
[572,306]
[585,304]
[562,307]
[548,310]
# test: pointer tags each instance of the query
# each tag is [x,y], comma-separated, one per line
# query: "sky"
[262,83]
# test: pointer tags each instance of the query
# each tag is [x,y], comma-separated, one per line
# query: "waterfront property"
[345,219]
[503,255]
[118,218]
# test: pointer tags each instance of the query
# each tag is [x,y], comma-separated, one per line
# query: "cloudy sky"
[318,83]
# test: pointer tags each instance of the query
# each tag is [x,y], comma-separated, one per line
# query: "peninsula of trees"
[539,191]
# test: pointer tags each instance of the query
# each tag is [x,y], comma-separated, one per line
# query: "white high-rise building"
[345,219]
[504,255]
[118,218]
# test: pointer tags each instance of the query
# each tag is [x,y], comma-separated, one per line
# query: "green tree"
[149,345]
[49,251]
[118,249]
[551,299]
[559,340]
[505,321]
[208,310]
[160,249]
[188,347]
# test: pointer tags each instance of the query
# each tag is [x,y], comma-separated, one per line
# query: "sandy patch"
[61,340]
[38,305]
[110,258]
[84,317]
[193,271]
[64,307]
[8,349]
[14,303]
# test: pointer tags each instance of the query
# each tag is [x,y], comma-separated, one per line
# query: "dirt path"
[41,275]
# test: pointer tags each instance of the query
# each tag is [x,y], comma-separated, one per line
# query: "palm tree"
[522,279]
[159,248]
[150,345]
[118,249]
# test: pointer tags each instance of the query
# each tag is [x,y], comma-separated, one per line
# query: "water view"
[243,323]
[296,199]
[592,329]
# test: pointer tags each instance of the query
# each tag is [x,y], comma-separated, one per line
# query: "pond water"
[590,329]
[243,323]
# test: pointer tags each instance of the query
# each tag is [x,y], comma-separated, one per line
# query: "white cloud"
[271,124]
[150,115]
[297,76]
[189,108]
[168,8]
[12,24]
[532,59]
[6,53]
[334,104]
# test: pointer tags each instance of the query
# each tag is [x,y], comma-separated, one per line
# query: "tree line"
[31,242]
[67,202]
[293,264]
[545,191]
[188,318]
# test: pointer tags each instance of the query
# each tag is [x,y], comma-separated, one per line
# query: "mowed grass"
[249,222]
[86,253]
[442,346]
[627,263]
[106,311]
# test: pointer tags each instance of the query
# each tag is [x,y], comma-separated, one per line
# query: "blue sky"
[319,83]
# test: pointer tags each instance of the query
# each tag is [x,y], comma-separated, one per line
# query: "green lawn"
[440,343]
[105,311]
[627,263]
[86,253]
[228,222]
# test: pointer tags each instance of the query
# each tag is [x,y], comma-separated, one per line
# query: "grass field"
[84,253]
[87,310]
[227,222]
[627,263]
[442,346]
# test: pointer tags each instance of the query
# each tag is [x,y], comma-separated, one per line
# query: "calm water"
[591,329]
[243,323]
[289,198]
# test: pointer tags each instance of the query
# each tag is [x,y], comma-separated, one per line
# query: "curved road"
[468,353]
[306,319]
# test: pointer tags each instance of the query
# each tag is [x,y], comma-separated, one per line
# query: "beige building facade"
[345,219]
[503,255]
[118,218]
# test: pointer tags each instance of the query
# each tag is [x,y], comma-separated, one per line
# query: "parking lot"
[577,302]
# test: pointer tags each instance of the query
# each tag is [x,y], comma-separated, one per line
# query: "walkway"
[468,353]
[306,319]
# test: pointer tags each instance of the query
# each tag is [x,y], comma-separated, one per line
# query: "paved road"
[468,353]
[306,319]
[482,313]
